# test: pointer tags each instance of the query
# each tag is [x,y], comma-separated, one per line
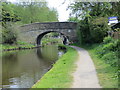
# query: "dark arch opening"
[38,40]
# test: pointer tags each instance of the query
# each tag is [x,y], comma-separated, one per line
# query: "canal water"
[22,69]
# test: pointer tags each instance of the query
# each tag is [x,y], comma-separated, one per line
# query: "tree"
[92,20]
[8,14]
[31,12]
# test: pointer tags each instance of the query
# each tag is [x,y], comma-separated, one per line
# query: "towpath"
[85,75]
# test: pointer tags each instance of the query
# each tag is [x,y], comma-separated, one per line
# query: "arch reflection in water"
[48,53]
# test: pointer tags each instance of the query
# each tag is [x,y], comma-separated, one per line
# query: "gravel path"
[85,74]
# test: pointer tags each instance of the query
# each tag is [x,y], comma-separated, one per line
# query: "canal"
[22,69]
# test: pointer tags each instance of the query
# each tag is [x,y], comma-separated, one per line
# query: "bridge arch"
[40,36]
[33,33]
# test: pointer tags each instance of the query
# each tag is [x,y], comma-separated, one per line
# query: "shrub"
[9,34]
[107,40]
[92,31]
[8,37]
[98,32]
[111,58]
[109,51]
[109,46]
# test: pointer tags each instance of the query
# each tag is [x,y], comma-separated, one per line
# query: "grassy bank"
[18,46]
[107,74]
[15,46]
[60,75]
[7,46]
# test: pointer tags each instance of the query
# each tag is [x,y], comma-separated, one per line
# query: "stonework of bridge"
[33,33]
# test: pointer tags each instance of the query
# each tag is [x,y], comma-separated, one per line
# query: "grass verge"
[60,75]
[106,73]
[7,46]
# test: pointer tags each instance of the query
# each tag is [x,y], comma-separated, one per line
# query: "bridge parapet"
[49,25]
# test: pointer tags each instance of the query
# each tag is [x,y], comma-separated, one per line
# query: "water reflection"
[21,69]
[49,55]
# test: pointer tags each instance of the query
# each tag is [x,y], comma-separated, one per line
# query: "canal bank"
[7,47]
[60,74]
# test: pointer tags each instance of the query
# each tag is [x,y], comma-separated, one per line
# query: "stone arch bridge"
[33,33]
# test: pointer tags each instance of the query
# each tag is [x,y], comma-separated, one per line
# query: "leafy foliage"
[109,51]
[8,13]
[106,73]
[73,19]
[35,12]
[93,22]
[8,34]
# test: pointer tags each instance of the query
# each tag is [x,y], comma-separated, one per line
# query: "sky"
[63,14]
[61,8]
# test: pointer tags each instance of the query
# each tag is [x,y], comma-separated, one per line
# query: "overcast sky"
[61,8]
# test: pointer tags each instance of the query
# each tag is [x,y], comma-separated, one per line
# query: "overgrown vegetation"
[109,51]
[60,75]
[9,33]
[92,18]
[92,32]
